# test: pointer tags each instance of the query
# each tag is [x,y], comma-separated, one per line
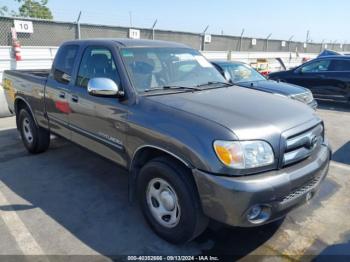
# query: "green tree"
[29,8]
[34,9]
[3,10]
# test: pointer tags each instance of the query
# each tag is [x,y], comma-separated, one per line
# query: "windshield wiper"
[172,87]
[210,83]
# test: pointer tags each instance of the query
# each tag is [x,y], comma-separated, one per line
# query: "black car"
[243,75]
[328,77]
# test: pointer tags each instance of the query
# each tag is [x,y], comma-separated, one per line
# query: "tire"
[176,192]
[35,139]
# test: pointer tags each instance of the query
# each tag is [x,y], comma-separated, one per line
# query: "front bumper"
[229,199]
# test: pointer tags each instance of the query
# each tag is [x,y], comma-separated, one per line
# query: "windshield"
[154,68]
[242,73]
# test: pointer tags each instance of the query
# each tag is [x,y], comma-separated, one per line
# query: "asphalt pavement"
[69,201]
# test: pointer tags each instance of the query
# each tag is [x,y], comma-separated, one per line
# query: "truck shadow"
[238,242]
[342,155]
[87,195]
[338,252]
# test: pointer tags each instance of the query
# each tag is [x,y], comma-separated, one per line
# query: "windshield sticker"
[185,57]
[127,53]
[202,61]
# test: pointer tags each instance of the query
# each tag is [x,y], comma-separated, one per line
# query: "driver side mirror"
[100,86]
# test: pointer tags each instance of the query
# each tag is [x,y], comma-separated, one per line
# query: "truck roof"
[126,42]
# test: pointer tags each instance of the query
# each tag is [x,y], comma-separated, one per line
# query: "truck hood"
[248,113]
[274,87]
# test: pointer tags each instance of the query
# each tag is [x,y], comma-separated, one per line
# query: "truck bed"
[28,84]
[42,73]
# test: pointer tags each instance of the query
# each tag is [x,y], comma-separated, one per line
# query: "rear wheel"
[169,201]
[35,139]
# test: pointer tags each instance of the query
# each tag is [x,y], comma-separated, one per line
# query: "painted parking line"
[7,128]
[24,239]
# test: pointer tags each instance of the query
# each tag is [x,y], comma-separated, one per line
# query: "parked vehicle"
[196,148]
[262,66]
[328,52]
[328,77]
[241,74]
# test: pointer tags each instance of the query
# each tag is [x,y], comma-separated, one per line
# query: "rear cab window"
[64,64]
[340,65]
[97,62]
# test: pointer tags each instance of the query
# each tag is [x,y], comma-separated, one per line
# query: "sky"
[326,20]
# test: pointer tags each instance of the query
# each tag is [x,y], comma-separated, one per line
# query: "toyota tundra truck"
[196,147]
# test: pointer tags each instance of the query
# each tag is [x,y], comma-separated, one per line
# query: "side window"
[64,64]
[315,67]
[97,62]
[340,65]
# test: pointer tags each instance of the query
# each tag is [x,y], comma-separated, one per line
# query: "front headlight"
[305,97]
[310,97]
[244,154]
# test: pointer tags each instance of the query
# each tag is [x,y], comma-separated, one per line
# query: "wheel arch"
[21,103]
[144,154]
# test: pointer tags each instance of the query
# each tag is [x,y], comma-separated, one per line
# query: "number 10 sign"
[23,26]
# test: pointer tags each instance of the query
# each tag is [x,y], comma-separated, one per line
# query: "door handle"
[62,95]
[75,98]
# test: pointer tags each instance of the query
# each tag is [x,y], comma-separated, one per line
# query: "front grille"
[301,190]
[302,145]
[305,97]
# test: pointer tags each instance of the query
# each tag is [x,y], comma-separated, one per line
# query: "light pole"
[203,38]
[240,40]
[153,26]
[267,41]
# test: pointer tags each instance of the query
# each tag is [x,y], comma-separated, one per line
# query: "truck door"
[312,75]
[338,81]
[98,123]
[57,90]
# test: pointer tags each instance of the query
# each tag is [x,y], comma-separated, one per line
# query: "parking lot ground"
[69,201]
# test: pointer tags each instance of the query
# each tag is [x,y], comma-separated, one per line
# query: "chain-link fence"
[53,33]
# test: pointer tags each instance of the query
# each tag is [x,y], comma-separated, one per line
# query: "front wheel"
[169,201]
[35,139]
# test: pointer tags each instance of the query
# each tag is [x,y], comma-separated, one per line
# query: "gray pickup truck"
[196,147]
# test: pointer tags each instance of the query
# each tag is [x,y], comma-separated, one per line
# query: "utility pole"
[153,26]
[240,40]
[203,38]
[78,36]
